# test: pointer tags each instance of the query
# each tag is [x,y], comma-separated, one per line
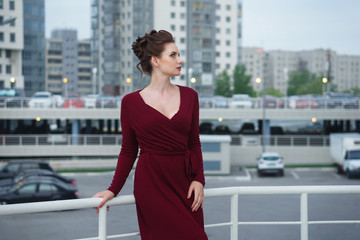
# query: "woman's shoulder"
[130,98]
[188,91]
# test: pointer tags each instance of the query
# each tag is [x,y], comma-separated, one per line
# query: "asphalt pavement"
[122,219]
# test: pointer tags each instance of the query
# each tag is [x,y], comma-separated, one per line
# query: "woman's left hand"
[198,190]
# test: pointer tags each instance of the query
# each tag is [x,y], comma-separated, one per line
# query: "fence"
[236,139]
[232,192]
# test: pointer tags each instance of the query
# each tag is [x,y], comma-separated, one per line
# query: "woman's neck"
[160,83]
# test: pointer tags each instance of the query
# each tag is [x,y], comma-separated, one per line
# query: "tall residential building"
[11,43]
[275,67]
[193,24]
[68,58]
[33,55]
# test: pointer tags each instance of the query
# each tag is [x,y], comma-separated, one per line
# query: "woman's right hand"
[106,196]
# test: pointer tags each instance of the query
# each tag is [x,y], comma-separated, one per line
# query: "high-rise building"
[70,59]
[33,54]
[11,44]
[195,24]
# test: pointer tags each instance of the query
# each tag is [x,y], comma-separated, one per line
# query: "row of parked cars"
[48,100]
[34,181]
[330,100]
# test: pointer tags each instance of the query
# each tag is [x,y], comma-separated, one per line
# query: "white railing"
[116,139]
[207,102]
[233,192]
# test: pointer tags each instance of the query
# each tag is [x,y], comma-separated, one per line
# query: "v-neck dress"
[170,159]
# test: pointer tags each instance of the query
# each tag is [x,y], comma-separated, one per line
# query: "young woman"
[163,121]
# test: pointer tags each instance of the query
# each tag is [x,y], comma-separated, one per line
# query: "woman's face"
[169,61]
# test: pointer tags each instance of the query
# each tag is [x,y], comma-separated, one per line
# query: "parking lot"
[83,223]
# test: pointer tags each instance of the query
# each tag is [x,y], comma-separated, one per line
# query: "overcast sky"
[271,24]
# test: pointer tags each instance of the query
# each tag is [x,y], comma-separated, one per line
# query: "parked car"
[240,101]
[344,100]
[221,102]
[271,102]
[41,100]
[58,101]
[36,190]
[106,102]
[90,100]
[14,97]
[34,174]
[306,101]
[74,101]
[13,168]
[206,101]
[270,162]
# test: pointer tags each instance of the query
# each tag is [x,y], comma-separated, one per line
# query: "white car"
[270,162]
[90,100]
[41,100]
[240,101]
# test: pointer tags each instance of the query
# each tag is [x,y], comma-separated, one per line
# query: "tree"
[304,82]
[273,92]
[242,81]
[223,84]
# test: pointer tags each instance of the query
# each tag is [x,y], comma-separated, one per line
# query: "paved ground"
[122,219]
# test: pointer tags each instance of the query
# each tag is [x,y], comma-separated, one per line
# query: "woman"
[163,121]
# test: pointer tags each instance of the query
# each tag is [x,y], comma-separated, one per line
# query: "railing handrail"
[234,192]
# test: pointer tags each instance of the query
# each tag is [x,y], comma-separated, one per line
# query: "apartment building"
[68,58]
[206,46]
[275,67]
[11,44]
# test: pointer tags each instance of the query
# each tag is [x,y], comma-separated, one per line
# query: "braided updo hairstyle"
[151,44]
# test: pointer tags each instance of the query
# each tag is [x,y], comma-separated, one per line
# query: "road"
[122,219]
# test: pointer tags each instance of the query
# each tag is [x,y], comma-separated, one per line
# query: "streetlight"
[128,81]
[65,81]
[324,80]
[12,82]
[265,126]
[94,84]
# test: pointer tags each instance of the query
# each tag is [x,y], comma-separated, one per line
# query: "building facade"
[276,66]
[33,54]
[197,26]
[70,59]
[11,44]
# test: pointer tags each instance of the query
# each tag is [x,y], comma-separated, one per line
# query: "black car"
[37,190]
[34,174]
[13,168]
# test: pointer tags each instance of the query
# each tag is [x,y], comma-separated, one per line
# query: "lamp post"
[128,81]
[65,81]
[12,82]
[265,125]
[324,80]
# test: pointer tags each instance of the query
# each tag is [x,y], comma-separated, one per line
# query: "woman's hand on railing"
[106,196]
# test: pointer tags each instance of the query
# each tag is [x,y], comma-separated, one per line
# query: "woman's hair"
[151,44]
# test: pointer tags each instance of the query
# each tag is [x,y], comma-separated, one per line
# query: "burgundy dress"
[170,159]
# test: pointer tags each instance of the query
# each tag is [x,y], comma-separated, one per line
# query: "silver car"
[270,162]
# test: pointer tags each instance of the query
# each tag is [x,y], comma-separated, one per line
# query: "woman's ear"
[154,61]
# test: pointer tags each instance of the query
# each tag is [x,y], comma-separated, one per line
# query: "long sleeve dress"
[170,159]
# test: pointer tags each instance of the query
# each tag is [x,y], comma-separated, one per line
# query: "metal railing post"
[304,216]
[234,216]
[102,223]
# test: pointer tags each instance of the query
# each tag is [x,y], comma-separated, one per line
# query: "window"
[172,27]
[8,53]
[12,5]
[30,188]
[172,15]
[228,54]
[45,187]
[228,43]
[228,19]
[12,37]
[1,4]
[228,7]
[8,69]
[1,35]
[173,2]
[0,68]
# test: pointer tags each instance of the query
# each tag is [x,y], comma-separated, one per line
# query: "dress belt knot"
[190,159]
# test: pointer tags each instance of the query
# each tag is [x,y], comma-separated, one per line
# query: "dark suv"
[12,97]
[13,168]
